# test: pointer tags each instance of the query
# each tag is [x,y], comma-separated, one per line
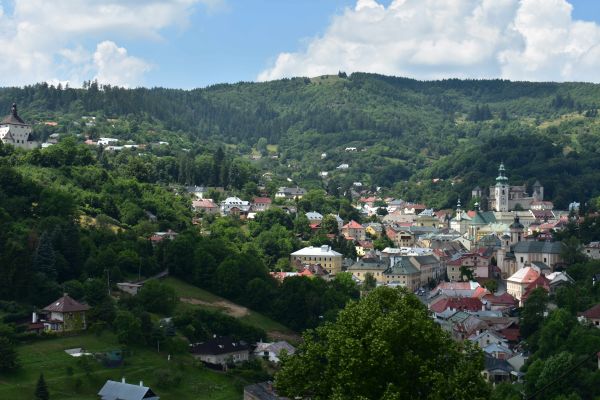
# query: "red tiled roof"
[457,303]
[352,225]
[503,299]
[592,313]
[204,203]
[262,200]
[66,304]
[511,334]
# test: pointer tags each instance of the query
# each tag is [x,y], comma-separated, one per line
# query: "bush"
[166,378]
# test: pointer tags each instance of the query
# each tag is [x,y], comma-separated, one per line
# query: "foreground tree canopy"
[383,347]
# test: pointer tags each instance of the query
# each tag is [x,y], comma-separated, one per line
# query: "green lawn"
[253,318]
[184,289]
[48,356]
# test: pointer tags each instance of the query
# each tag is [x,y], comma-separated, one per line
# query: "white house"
[272,351]
[14,131]
[234,206]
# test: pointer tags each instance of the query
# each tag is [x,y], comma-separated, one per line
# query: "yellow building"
[362,267]
[327,258]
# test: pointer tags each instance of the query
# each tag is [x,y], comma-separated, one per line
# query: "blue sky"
[194,43]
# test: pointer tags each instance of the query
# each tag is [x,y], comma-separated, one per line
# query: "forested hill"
[407,132]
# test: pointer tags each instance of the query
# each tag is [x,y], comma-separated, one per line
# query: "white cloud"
[45,40]
[431,39]
[114,66]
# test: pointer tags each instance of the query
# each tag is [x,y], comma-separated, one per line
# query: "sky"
[195,43]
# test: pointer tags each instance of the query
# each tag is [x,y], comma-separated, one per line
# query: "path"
[230,308]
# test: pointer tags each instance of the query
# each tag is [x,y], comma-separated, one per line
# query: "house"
[363,246]
[63,315]
[592,250]
[454,304]
[479,265]
[261,391]
[414,208]
[502,302]
[15,131]
[290,193]
[113,390]
[487,337]
[343,166]
[374,229]
[496,370]
[525,280]
[129,287]
[261,204]
[235,206]
[403,273]
[314,217]
[354,230]
[458,289]
[499,351]
[547,252]
[220,351]
[324,256]
[591,315]
[205,205]
[558,279]
[158,237]
[272,351]
[365,266]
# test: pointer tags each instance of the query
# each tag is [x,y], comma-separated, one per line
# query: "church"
[504,197]
[14,131]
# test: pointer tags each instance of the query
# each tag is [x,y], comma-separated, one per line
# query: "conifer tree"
[41,389]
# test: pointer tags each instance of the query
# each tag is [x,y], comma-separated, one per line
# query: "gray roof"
[494,364]
[538,247]
[425,259]
[262,391]
[402,267]
[125,391]
[13,118]
[362,265]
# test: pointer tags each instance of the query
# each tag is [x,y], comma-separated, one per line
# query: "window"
[521,259]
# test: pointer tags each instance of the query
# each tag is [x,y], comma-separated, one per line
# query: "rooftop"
[66,304]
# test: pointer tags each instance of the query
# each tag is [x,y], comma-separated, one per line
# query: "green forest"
[407,132]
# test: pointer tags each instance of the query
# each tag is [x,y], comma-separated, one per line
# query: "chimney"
[123,380]
[141,383]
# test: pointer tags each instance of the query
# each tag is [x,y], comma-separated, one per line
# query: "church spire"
[501,177]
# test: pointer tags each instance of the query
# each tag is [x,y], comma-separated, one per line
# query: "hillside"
[404,130]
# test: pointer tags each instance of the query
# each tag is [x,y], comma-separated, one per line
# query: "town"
[474,270]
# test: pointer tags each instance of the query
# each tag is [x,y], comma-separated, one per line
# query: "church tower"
[516,231]
[501,190]
[538,191]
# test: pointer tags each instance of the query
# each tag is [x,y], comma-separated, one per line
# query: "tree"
[571,251]
[329,224]
[127,327]
[466,273]
[370,282]
[491,285]
[532,314]
[157,297]
[41,389]
[9,360]
[389,330]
